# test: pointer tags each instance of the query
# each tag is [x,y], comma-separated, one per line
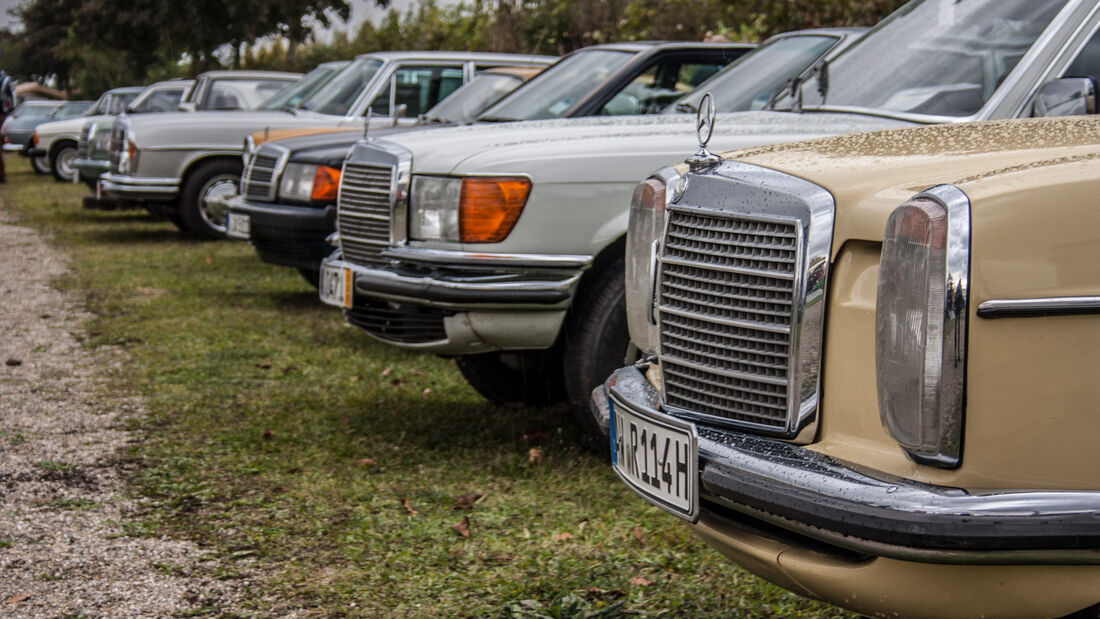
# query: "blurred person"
[7,104]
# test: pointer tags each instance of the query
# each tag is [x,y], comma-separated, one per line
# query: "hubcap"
[212,200]
[65,166]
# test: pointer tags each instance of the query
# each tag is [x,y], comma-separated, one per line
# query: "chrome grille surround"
[260,180]
[83,148]
[371,202]
[740,300]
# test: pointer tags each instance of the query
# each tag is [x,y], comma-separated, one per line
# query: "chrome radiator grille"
[83,149]
[258,180]
[364,212]
[727,296]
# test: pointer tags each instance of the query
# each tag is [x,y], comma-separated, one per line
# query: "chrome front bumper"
[139,187]
[869,512]
[488,301]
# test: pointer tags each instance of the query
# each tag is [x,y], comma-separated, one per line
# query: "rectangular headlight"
[297,182]
[920,330]
[433,208]
[643,238]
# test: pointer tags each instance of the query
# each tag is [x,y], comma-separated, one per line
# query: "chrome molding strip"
[1043,306]
[442,256]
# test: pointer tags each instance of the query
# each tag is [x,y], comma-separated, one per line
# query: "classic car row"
[858,354]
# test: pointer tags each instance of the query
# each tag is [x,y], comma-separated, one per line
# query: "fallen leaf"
[268,435]
[357,378]
[209,259]
[367,462]
[290,368]
[534,455]
[564,536]
[465,501]
[397,382]
[15,599]
[641,581]
[639,535]
[386,372]
[503,558]
[427,391]
[537,435]
[13,362]
[412,512]
[595,590]
[462,527]
[264,366]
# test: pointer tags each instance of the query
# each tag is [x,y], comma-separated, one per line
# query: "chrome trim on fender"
[868,511]
[125,185]
[1044,306]
[444,256]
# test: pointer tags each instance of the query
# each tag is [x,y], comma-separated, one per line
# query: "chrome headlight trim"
[947,365]
[646,230]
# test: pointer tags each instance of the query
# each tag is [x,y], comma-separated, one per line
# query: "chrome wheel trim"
[66,163]
[212,200]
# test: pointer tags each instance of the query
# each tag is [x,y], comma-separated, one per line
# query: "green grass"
[277,437]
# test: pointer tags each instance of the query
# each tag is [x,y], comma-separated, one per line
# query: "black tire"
[40,164]
[596,341]
[313,276]
[63,161]
[531,377]
[201,211]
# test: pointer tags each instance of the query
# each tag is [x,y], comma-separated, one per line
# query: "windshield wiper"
[686,108]
[289,108]
[494,119]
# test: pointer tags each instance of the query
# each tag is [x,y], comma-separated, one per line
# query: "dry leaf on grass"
[427,391]
[534,455]
[639,535]
[641,581]
[386,372]
[563,537]
[408,508]
[366,463]
[465,501]
[462,527]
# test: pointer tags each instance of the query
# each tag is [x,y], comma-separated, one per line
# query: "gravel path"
[64,550]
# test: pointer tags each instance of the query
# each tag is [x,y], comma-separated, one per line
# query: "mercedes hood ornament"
[704,129]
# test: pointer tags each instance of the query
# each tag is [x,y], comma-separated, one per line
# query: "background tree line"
[92,45]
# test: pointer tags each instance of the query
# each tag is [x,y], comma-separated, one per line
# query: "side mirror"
[399,112]
[187,107]
[1068,96]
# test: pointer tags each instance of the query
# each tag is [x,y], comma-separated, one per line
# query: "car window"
[116,103]
[478,94]
[160,101]
[419,88]
[33,111]
[659,85]
[240,94]
[1087,63]
[295,93]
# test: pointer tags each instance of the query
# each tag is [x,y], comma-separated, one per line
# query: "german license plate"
[238,226]
[335,285]
[658,458]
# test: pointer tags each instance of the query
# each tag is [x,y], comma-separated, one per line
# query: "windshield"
[160,100]
[933,57]
[294,94]
[481,92]
[34,111]
[559,88]
[339,95]
[240,94]
[749,83]
[69,110]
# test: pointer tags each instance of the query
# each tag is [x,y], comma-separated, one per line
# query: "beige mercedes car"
[872,363]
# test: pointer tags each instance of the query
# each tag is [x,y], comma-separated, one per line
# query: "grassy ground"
[345,468]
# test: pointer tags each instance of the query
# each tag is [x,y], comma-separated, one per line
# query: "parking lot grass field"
[360,480]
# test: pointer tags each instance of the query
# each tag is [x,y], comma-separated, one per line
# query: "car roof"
[125,90]
[234,74]
[489,56]
[641,46]
[840,32]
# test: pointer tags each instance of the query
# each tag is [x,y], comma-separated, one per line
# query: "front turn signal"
[489,207]
[326,183]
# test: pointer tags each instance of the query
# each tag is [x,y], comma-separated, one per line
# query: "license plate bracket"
[658,457]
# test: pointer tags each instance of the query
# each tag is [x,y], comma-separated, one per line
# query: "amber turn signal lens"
[489,207]
[34,138]
[326,182]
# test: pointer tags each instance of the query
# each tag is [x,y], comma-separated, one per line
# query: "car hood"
[69,126]
[871,174]
[224,130]
[619,149]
